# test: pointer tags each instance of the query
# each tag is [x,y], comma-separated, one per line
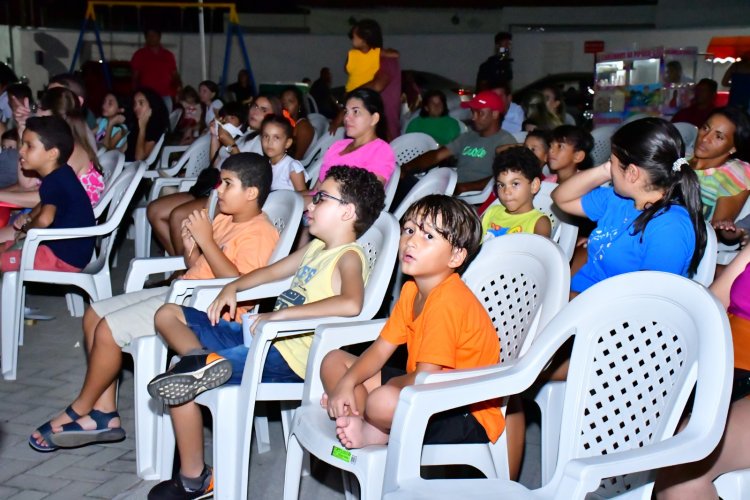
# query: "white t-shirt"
[282,170]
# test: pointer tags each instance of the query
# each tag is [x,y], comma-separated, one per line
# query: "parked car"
[578,93]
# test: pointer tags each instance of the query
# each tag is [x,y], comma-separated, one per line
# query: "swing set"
[233,29]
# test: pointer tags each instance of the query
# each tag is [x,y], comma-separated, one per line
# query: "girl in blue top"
[650,219]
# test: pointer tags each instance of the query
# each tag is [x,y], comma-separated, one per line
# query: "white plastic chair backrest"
[602,146]
[197,157]
[380,245]
[563,233]
[284,209]
[707,266]
[154,154]
[408,146]
[213,204]
[689,133]
[520,136]
[641,341]
[477,197]
[112,163]
[390,187]
[522,280]
[312,105]
[319,123]
[325,142]
[174,118]
[439,180]
[123,189]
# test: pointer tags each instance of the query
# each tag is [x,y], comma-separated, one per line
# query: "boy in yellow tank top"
[517,177]
[329,276]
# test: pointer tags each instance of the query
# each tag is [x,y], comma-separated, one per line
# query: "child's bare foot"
[355,432]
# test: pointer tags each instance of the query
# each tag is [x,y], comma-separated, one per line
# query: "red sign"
[593,46]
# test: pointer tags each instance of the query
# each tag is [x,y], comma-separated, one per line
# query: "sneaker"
[190,377]
[174,490]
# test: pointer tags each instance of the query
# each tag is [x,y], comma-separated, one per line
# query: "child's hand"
[725,225]
[341,402]
[225,137]
[199,227]
[21,221]
[21,111]
[212,128]
[226,298]
[117,120]
[187,238]
[270,316]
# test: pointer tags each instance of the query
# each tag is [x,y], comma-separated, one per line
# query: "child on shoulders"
[45,149]
[517,179]
[329,276]
[443,325]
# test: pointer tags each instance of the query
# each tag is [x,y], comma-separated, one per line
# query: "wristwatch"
[230,147]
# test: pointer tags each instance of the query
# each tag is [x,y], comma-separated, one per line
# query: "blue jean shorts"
[226,340]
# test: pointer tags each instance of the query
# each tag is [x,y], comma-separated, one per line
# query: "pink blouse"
[375,156]
[93,182]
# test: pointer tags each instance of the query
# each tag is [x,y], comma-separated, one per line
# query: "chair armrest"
[167,152]
[140,269]
[329,337]
[38,235]
[182,288]
[460,374]
[160,183]
[203,296]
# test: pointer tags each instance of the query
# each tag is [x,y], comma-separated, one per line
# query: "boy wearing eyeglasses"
[329,276]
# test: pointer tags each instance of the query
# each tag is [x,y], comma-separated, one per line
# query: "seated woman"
[722,153]
[167,213]
[650,219]
[149,121]
[434,120]
[60,102]
[537,114]
[695,480]
[304,133]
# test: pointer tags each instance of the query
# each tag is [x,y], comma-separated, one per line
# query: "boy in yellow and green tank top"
[329,276]
[517,177]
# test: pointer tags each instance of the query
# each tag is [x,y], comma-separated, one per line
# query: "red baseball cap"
[485,99]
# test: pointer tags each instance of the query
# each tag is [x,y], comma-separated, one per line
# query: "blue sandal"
[45,430]
[73,435]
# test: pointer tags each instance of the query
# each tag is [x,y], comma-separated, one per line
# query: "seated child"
[538,141]
[111,131]
[329,277]
[443,325]
[47,144]
[569,152]
[276,138]
[239,240]
[517,179]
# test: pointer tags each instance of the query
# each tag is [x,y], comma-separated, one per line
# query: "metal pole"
[204,74]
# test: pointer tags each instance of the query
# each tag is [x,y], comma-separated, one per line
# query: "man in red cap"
[473,151]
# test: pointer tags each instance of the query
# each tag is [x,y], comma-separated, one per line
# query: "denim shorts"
[226,340]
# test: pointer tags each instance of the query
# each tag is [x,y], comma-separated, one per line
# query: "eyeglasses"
[318,197]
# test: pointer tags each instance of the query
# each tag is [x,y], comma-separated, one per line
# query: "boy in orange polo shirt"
[441,322]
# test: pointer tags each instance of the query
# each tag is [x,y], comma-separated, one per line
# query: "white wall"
[294,56]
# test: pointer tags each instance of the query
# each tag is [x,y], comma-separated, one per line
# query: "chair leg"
[228,473]
[142,233]
[293,471]
[8,326]
[550,400]
[75,304]
[262,434]
[287,414]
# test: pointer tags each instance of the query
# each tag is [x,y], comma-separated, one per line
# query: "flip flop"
[73,435]
[45,430]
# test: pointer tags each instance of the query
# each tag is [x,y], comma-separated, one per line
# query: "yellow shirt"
[312,283]
[361,67]
[497,222]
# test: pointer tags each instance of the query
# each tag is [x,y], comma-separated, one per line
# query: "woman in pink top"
[365,127]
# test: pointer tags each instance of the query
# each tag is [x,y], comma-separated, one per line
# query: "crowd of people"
[645,208]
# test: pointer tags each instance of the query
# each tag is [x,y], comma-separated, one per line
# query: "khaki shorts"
[131,315]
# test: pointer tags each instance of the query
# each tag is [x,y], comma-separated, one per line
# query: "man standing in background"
[155,67]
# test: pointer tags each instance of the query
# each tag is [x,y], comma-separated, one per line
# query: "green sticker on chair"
[342,454]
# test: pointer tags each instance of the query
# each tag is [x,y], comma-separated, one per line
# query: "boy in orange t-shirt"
[441,322]
[240,239]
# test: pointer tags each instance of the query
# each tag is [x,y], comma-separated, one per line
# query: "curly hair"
[459,222]
[517,159]
[362,189]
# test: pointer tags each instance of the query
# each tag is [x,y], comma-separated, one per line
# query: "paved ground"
[50,370]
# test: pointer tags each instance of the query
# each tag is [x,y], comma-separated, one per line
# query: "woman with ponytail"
[651,218]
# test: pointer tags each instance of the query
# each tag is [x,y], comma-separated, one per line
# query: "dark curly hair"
[459,222]
[362,189]
[518,159]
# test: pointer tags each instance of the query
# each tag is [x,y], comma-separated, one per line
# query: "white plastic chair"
[563,233]
[439,180]
[689,133]
[195,159]
[174,118]
[312,105]
[233,407]
[319,123]
[643,341]
[522,280]
[602,149]
[154,154]
[550,397]
[284,209]
[734,485]
[112,163]
[325,142]
[94,279]
[477,197]
[391,186]
[406,147]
